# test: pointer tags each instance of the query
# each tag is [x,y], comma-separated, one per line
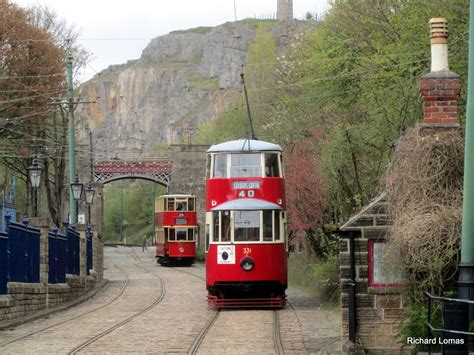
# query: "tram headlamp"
[246,264]
[225,256]
[181,250]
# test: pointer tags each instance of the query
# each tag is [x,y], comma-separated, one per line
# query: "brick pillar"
[440,92]
[97,209]
[43,224]
[98,257]
[81,228]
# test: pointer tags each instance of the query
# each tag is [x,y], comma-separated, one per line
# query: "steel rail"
[123,322]
[276,334]
[122,289]
[202,334]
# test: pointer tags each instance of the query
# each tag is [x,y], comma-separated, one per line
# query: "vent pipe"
[439,44]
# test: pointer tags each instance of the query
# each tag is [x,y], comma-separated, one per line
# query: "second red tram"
[175,229]
[246,246]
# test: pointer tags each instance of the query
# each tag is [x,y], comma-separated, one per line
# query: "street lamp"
[89,199]
[76,190]
[34,172]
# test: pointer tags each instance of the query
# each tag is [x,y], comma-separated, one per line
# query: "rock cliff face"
[181,79]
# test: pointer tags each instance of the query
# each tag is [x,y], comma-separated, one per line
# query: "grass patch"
[203,83]
[200,29]
[319,278]
[258,22]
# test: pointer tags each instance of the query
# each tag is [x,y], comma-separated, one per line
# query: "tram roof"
[244,145]
[246,204]
[178,195]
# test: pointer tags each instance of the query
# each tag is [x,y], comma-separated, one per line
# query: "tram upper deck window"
[170,204]
[191,204]
[208,167]
[272,168]
[246,226]
[246,165]
[220,166]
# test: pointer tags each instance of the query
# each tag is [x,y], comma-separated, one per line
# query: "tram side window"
[180,234]
[245,165]
[190,234]
[225,231]
[191,204]
[171,234]
[271,165]
[267,226]
[181,205]
[208,167]
[246,226]
[206,231]
[220,166]
[171,204]
[215,218]
[277,225]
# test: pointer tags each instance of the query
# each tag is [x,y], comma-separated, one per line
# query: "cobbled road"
[149,309]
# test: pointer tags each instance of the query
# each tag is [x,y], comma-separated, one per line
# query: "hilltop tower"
[284,9]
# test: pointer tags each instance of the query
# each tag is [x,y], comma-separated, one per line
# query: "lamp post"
[89,192]
[76,191]
[34,172]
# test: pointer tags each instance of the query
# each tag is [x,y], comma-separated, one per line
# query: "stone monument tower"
[284,9]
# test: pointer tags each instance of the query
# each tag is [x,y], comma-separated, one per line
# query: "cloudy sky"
[116,30]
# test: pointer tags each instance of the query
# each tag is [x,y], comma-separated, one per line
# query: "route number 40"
[244,193]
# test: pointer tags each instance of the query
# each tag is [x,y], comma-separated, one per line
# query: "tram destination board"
[180,221]
[239,185]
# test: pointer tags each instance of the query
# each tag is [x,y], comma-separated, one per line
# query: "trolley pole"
[72,143]
[466,266]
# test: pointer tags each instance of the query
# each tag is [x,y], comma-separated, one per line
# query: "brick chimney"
[441,87]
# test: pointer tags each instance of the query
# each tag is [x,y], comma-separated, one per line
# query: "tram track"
[115,298]
[125,321]
[277,334]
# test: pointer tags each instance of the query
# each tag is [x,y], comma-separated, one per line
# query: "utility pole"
[91,157]
[466,266]
[72,143]
[121,211]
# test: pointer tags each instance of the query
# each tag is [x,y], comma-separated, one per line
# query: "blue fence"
[3,262]
[24,252]
[20,253]
[89,248]
[73,251]
[57,256]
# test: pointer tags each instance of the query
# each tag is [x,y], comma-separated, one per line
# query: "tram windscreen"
[245,165]
[246,226]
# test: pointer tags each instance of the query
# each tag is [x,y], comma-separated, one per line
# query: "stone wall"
[189,176]
[378,309]
[25,299]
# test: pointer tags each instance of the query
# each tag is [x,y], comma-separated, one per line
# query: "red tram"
[246,246]
[175,229]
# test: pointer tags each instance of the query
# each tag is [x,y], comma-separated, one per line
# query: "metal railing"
[455,324]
